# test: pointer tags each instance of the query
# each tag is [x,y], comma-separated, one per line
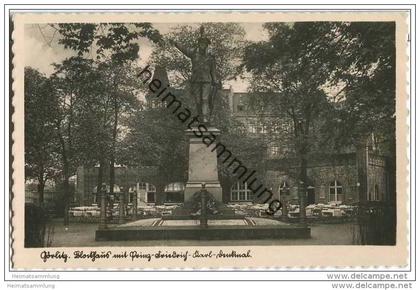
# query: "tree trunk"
[361,162]
[100,176]
[99,194]
[226,184]
[66,169]
[112,157]
[302,188]
[284,211]
[122,206]
[40,190]
[111,176]
[66,191]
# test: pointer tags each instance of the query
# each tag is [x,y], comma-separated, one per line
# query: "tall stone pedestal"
[202,166]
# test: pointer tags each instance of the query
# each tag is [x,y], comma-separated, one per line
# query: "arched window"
[142,185]
[148,187]
[131,194]
[174,187]
[175,192]
[150,191]
[336,191]
[241,192]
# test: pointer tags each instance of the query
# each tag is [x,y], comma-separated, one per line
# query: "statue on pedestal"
[204,83]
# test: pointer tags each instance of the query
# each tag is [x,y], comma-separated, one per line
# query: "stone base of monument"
[232,229]
[181,215]
[221,223]
[191,209]
[203,216]
[213,187]
[202,164]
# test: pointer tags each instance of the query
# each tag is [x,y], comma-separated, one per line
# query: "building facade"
[134,182]
[332,177]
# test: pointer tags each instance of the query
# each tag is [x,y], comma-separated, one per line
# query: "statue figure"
[204,83]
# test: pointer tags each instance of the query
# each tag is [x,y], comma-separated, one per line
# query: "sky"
[42,48]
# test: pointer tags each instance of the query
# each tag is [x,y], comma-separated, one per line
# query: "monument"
[202,162]
[203,215]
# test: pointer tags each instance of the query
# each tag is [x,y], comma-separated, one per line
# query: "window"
[174,187]
[256,127]
[176,197]
[336,191]
[150,191]
[275,151]
[150,187]
[151,197]
[310,194]
[275,128]
[175,192]
[234,195]
[264,129]
[131,194]
[260,128]
[250,195]
[241,105]
[241,192]
[251,128]
[284,189]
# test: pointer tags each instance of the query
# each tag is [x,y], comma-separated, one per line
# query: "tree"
[40,146]
[155,139]
[72,83]
[293,67]
[226,45]
[121,91]
[111,41]
[111,47]
[342,70]
[367,72]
